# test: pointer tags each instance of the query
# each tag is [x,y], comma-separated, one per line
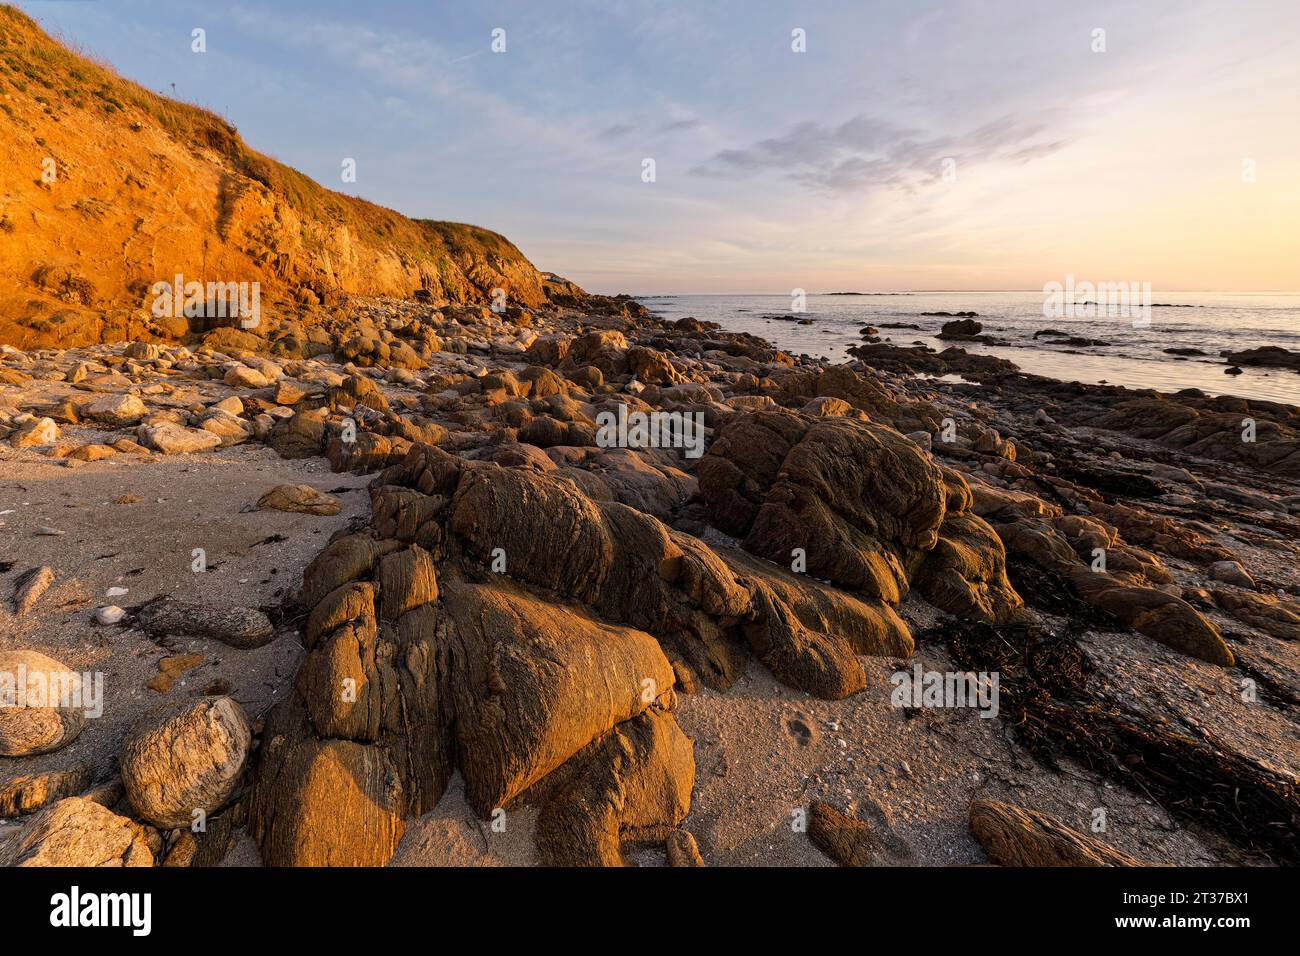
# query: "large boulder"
[35,433]
[115,410]
[960,329]
[302,436]
[810,635]
[42,704]
[80,833]
[966,572]
[537,683]
[636,779]
[327,803]
[185,756]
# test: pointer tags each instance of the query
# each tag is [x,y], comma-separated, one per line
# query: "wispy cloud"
[869,153]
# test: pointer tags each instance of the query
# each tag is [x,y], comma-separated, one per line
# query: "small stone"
[241,376]
[1231,572]
[237,626]
[170,668]
[31,587]
[231,405]
[109,615]
[144,351]
[229,428]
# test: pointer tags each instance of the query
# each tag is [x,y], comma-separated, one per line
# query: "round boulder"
[185,756]
[42,704]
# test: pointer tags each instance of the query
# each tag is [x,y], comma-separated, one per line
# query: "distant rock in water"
[960,329]
[1270,356]
[1183,351]
[1065,338]
[953,315]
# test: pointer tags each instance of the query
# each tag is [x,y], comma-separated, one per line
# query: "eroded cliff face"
[115,188]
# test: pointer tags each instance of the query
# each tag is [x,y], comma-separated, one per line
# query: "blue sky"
[774,169]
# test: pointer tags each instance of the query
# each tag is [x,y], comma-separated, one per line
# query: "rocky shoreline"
[638,654]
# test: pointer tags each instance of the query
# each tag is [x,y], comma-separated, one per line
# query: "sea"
[1134,353]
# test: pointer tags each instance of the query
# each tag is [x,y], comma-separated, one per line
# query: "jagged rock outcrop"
[863,506]
[1122,586]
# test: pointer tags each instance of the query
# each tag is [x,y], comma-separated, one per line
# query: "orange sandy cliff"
[145,187]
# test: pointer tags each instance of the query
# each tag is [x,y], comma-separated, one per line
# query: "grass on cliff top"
[49,72]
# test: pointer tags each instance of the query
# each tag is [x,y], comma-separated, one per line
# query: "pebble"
[110,614]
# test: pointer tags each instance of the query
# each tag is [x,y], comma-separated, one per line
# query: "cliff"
[114,188]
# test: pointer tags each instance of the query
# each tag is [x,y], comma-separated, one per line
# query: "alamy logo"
[65,690]
[1090,300]
[213,300]
[922,688]
[624,429]
[133,910]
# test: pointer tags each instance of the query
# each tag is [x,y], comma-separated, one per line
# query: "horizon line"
[652,295]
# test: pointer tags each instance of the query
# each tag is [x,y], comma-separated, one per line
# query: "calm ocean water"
[1133,356]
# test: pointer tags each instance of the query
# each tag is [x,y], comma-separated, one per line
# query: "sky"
[974,144]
